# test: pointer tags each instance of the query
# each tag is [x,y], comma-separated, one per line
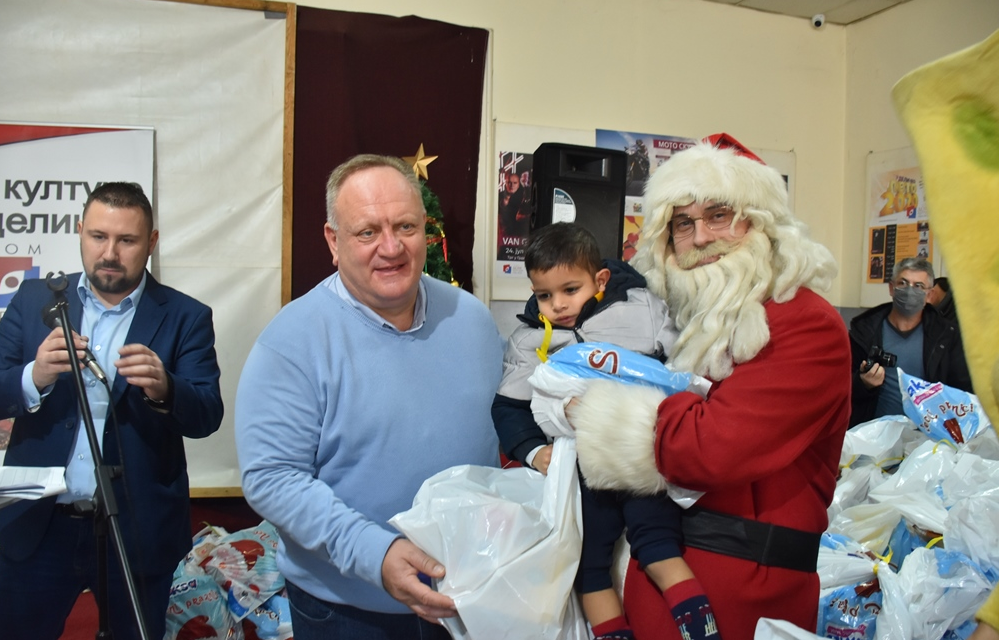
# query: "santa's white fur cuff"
[615,436]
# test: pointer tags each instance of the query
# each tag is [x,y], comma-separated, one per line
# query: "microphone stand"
[105,505]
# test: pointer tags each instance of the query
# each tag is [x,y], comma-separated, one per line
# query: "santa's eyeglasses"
[682,226]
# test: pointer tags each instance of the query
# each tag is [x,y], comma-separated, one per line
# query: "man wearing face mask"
[926,345]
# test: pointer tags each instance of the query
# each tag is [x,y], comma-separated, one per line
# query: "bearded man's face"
[717,279]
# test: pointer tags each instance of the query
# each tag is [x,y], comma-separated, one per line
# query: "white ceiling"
[836,11]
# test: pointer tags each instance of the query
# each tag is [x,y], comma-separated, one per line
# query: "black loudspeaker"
[584,185]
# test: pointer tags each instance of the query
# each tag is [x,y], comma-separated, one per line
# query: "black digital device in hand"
[879,356]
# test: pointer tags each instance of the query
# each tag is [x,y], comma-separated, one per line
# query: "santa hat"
[725,141]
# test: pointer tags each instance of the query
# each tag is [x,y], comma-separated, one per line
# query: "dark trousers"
[653,525]
[37,595]
[315,619]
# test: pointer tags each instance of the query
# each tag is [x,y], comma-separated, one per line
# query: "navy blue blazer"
[154,512]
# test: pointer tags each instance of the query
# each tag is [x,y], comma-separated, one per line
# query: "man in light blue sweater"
[356,393]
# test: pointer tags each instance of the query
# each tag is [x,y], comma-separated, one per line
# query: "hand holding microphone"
[52,319]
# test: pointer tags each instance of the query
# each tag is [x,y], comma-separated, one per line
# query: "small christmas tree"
[437,258]
[437,265]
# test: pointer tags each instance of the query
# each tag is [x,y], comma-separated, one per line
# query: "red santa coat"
[764,445]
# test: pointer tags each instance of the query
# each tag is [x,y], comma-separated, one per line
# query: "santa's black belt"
[761,542]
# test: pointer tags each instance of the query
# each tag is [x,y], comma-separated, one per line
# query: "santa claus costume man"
[739,274]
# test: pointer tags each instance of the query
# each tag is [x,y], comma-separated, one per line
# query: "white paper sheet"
[30,483]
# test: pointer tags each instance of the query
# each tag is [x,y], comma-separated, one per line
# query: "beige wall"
[691,68]
[879,52]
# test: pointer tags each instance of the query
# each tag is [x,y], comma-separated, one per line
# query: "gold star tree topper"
[419,163]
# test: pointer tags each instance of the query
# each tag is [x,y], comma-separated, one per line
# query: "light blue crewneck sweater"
[340,420]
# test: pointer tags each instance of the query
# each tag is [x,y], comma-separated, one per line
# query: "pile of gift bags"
[229,587]
[912,549]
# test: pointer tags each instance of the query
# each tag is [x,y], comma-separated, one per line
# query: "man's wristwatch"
[160,406]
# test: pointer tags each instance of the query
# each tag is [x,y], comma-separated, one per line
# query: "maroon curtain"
[367,83]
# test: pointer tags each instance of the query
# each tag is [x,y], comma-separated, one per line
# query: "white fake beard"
[718,307]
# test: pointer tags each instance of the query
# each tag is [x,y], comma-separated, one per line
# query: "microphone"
[52,319]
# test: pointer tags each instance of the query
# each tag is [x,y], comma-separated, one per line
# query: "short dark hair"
[912,264]
[943,283]
[122,195]
[562,244]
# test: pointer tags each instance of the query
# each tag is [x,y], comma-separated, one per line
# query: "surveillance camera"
[818,20]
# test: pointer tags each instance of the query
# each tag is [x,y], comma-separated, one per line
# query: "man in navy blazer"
[157,349]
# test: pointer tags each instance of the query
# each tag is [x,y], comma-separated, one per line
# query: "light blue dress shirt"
[107,329]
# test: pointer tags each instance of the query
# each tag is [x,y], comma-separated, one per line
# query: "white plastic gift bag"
[933,478]
[849,597]
[843,561]
[942,589]
[870,525]
[876,442]
[553,389]
[770,629]
[853,487]
[894,620]
[972,528]
[913,488]
[510,541]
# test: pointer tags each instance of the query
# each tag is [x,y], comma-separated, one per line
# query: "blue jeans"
[315,619]
[37,595]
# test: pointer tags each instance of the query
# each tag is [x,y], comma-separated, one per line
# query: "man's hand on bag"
[400,576]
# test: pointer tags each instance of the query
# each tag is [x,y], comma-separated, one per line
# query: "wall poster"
[897,221]
[47,172]
[513,210]
[645,153]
